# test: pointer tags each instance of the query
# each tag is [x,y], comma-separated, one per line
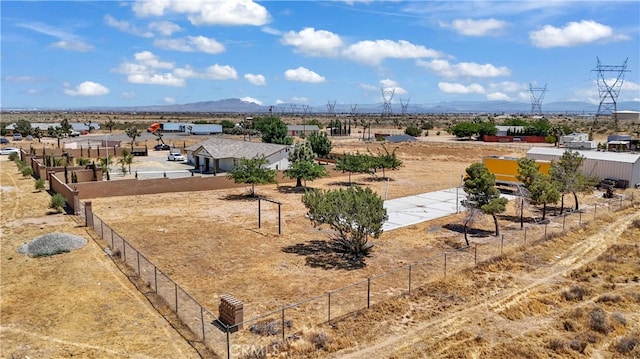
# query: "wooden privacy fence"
[257,335]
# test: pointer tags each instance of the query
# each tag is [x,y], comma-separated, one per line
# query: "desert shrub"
[13,156]
[569,325]
[556,345]
[271,327]
[578,345]
[58,202]
[608,298]
[319,340]
[39,184]
[619,317]
[575,293]
[598,321]
[626,345]
[413,131]
[26,171]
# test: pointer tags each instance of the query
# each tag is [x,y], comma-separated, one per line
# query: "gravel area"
[52,243]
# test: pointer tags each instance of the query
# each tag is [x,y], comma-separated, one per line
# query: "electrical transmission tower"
[294,109]
[404,105]
[609,87]
[306,109]
[387,96]
[537,94]
[331,107]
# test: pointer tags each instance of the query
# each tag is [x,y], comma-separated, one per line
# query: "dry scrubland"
[573,296]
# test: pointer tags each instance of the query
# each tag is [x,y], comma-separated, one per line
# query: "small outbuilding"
[216,155]
[624,167]
[298,130]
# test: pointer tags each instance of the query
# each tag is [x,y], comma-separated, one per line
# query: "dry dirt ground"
[538,302]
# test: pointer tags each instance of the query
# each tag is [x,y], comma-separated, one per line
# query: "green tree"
[539,188]
[133,132]
[482,194]
[252,171]
[355,213]
[464,129]
[110,124]
[302,165]
[413,131]
[226,124]
[65,127]
[487,128]
[357,163]
[320,144]
[567,175]
[23,127]
[315,122]
[273,130]
[104,163]
[386,160]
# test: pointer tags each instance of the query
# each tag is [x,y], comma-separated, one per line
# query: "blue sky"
[70,54]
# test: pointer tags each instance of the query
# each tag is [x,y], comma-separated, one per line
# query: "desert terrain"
[574,295]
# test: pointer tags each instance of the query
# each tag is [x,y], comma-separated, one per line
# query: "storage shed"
[621,166]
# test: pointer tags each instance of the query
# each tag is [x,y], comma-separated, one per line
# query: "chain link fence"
[264,334]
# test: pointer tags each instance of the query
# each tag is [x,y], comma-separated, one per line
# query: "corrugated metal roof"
[302,128]
[596,155]
[400,138]
[225,148]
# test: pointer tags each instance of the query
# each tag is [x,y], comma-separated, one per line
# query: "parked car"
[74,134]
[161,147]
[4,141]
[9,150]
[176,156]
[17,137]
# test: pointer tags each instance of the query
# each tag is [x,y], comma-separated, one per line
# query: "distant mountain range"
[235,105]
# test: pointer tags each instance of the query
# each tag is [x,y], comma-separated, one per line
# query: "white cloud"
[73,45]
[313,42]
[87,88]
[128,94]
[207,12]
[191,44]
[302,74]
[144,70]
[449,87]
[444,68]
[257,80]
[498,96]
[297,99]
[165,28]
[271,31]
[23,79]
[251,99]
[280,102]
[508,86]
[68,41]
[169,100]
[220,72]
[470,27]
[125,26]
[572,34]
[373,52]
[391,85]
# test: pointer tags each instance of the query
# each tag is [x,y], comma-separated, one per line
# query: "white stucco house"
[220,154]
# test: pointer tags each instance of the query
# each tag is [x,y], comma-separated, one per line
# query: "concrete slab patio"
[406,211]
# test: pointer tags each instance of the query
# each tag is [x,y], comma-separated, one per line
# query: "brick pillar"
[88,214]
[76,201]
[231,312]
[49,174]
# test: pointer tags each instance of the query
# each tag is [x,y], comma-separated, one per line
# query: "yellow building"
[506,168]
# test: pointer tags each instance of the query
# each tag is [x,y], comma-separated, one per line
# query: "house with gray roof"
[220,154]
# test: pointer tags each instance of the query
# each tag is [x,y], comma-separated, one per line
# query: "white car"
[176,156]
[9,150]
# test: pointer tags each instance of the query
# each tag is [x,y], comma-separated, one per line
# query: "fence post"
[228,343]
[445,264]
[175,293]
[202,321]
[409,279]
[368,293]
[475,255]
[283,323]
[329,307]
